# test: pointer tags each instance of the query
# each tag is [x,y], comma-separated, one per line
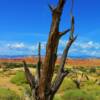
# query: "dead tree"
[42,87]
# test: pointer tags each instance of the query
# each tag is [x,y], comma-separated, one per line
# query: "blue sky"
[24,23]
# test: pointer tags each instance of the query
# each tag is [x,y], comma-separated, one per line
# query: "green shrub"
[56,68]
[66,85]
[92,70]
[6,94]
[98,67]
[27,90]
[17,65]
[77,95]
[57,97]
[19,78]
[32,65]
[12,65]
[83,69]
[89,83]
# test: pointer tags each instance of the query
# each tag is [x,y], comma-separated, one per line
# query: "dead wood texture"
[42,86]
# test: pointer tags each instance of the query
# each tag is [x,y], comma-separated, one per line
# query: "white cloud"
[43,45]
[73,50]
[62,43]
[34,47]
[91,52]
[82,45]
[88,45]
[15,45]
[90,48]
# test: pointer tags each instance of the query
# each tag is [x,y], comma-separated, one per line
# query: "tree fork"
[41,85]
[51,51]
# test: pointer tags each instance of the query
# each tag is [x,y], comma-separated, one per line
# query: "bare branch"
[58,81]
[64,32]
[65,53]
[61,4]
[72,20]
[77,82]
[62,73]
[29,76]
[72,7]
[72,27]
[52,8]
[39,61]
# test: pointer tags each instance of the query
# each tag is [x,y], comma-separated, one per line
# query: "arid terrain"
[84,71]
[69,61]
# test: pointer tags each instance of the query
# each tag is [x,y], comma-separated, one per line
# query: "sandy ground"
[6,77]
[5,82]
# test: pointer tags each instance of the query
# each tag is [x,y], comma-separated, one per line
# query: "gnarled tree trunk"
[41,85]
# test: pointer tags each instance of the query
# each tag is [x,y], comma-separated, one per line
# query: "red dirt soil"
[72,62]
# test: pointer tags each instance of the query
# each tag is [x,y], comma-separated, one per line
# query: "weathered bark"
[51,51]
[41,85]
[29,76]
[39,64]
[31,80]
[34,80]
[62,73]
